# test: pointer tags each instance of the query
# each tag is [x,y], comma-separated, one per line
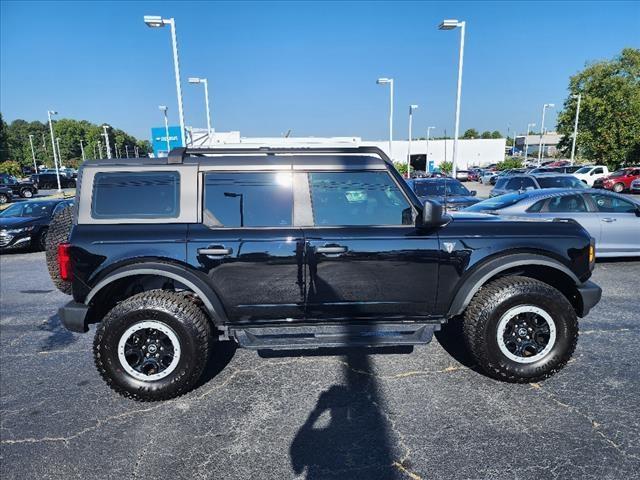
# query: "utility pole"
[33,154]
[82,150]
[53,147]
[106,140]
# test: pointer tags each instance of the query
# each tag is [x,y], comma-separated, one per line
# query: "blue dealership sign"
[159,140]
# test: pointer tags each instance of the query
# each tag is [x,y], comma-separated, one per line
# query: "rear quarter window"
[136,195]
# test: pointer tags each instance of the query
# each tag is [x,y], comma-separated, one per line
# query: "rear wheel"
[152,346]
[3,199]
[26,193]
[618,187]
[59,230]
[41,242]
[519,329]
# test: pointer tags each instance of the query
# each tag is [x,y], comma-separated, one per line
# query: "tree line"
[15,145]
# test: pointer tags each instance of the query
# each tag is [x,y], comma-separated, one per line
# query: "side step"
[317,336]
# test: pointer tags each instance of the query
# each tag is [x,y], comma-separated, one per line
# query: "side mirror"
[432,215]
[474,193]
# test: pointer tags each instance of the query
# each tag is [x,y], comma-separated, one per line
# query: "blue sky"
[309,67]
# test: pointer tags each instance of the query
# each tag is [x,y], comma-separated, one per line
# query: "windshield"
[496,203]
[440,189]
[560,182]
[28,209]
[584,170]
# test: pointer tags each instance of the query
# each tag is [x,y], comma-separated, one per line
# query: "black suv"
[24,189]
[48,181]
[290,248]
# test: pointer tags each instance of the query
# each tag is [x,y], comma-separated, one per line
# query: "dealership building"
[476,152]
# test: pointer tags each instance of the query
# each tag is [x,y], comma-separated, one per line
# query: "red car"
[618,181]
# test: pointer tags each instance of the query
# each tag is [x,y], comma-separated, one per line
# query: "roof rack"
[177,155]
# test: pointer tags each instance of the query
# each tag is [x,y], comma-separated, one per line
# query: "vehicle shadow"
[59,336]
[451,338]
[220,356]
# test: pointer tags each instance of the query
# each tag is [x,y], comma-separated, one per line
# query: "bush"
[11,167]
[446,167]
[509,163]
[401,167]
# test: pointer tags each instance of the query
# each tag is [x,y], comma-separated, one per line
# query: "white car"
[487,176]
[591,173]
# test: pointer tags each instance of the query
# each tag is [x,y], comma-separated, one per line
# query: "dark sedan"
[451,193]
[25,224]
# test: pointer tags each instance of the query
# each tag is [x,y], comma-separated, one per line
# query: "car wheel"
[26,193]
[618,187]
[520,330]
[152,346]
[59,230]
[41,244]
[3,199]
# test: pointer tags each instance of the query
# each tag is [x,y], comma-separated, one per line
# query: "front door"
[366,259]
[620,224]
[248,247]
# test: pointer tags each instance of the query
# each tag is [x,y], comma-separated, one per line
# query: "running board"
[310,336]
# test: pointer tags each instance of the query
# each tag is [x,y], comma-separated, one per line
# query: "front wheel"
[26,193]
[152,346]
[3,199]
[618,187]
[519,329]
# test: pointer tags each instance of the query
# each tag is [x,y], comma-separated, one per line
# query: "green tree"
[486,134]
[10,167]
[401,167]
[496,134]
[470,133]
[508,163]
[446,167]
[609,128]
[4,147]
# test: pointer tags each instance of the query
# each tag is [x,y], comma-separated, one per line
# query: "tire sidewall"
[618,187]
[27,193]
[107,347]
[565,333]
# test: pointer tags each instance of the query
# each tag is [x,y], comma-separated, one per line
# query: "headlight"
[15,231]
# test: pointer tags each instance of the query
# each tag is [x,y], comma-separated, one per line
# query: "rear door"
[573,206]
[247,244]
[366,259]
[619,222]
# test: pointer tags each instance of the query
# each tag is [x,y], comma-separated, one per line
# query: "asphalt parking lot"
[354,414]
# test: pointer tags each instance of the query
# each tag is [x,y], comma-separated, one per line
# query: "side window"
[248,199]
[536,207]
[357,198]
[514,184]
[527,183]
[501,183]
[611,204]
[136,195]
[597,171]
[567,203]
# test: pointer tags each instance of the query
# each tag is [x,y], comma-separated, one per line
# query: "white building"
[476,152]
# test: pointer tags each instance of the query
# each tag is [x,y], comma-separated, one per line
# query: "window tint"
[357,198]
[597,171]
[560,182]
[248,199]
[136,195]
[567,203]
[611,204]
[500,183]
[536,207]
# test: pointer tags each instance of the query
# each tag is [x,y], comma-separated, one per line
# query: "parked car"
[6,195]
[449,192]
[612,219]
[487,175]
[47,181]
[590,173]
[25,224]
[618,181]
[533,182]
[193,250]
[635,186]
[23,189]
[462,175]
[475,174]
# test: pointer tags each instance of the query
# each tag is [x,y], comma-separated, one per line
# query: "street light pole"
[449,25]
[411,109]
[544,109]
[106,140]
[163,109]
[100,148]
[59,152]
[195,80]
[126,147]
[53,147]
[33,154]
[82,150]
[426,165]
[575,127]
[389,81]
[526,142]
[157,21]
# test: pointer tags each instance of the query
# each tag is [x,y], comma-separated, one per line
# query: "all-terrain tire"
[493,302]
[174,312]
[59,230]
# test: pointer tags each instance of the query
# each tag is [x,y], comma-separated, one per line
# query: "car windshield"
[440,188]
[584,170]
[28,209]
[560,182]
[496,203]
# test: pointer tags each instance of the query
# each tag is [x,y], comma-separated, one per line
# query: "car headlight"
[15,231]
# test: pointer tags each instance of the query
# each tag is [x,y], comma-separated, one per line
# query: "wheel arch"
[538,266]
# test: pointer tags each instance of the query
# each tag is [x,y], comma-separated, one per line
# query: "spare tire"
[59,231]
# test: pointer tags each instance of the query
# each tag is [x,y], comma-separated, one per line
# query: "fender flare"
[483,273]
[190,279]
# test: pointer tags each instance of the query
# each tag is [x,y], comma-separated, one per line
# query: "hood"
[18,222]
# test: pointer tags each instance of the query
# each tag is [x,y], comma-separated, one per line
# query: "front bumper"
[8,241]
[589,294]
[74,317]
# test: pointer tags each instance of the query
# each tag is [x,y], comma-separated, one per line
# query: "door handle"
[215,251]
[609,219]
[332,249]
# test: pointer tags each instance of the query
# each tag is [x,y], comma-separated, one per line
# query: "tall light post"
[426,165]
[53,147]
[575,127]
[155,21]
[195,81]
[100,148]
[411,109]
[82,150]
[526,142]
[450,25]
[33,154]
[106,140]
[163,109]
[544,110]
[126,148]
[389,81]
[59,152]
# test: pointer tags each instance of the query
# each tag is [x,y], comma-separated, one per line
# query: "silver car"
[612,219]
